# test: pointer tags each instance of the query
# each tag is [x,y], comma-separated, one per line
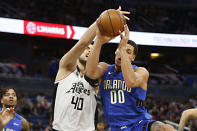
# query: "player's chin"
[10,105]
[118,62]
[83,61]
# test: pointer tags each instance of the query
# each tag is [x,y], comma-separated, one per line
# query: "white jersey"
[75,104]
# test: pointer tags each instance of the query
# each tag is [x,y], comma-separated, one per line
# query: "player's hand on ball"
[123,13]
[111,21]
[102,38]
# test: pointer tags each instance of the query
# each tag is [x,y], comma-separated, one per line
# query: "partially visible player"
[123,87]
[186,115]
[11,121]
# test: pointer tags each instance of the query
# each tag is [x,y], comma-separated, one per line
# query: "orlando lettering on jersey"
[8,129]
[78,87]
[116,84]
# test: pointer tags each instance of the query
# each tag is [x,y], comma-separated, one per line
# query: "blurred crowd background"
[172,16]
[30,63]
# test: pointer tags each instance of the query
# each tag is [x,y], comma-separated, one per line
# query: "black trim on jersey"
[53,99]
[78,71]
[149,125]
[93,82]
[139,102]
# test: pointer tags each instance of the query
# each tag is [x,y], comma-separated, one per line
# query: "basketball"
[110,22]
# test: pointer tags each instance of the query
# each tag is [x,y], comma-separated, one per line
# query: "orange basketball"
[110,22]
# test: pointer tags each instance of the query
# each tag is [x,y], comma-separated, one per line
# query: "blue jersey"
[14,124]
[119,101]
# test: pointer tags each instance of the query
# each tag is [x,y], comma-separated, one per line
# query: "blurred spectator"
[53,68]
[49,126]
[39,126]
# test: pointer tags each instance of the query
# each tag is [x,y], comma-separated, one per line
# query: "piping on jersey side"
[64,77]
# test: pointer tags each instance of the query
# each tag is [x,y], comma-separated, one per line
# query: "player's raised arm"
[126,54]
[68,61]
[94,69]
[187,114]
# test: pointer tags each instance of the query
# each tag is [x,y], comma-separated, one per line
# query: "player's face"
[9,98]
[129,52]
[84,56]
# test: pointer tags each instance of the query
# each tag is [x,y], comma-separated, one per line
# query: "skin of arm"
[25,125]
[94,69]
[69,60]
[133,78]
[5,117]
[187,114]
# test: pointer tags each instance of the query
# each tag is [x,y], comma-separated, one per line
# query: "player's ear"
[133,57]
[116,51]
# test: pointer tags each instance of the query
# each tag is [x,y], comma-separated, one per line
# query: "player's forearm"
[93,59]
[127,69]
[190,113]
[71,57]
[183,121]
[89,35]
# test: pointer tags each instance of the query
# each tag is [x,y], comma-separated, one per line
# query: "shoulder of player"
[63,72]
[142,70]
[103,64]
[68,67]
[103,67]
[24,124]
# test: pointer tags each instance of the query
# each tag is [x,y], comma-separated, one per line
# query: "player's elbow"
[186,114]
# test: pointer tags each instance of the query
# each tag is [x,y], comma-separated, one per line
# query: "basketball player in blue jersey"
[9,102]
[75,101]
[123,87]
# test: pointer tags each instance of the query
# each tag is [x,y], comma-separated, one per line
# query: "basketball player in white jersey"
[75,101]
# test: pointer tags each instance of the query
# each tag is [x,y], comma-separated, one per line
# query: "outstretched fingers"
[126,30]
[124,13]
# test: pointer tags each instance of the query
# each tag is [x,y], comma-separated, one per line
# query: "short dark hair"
[4,90]
[132,43]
